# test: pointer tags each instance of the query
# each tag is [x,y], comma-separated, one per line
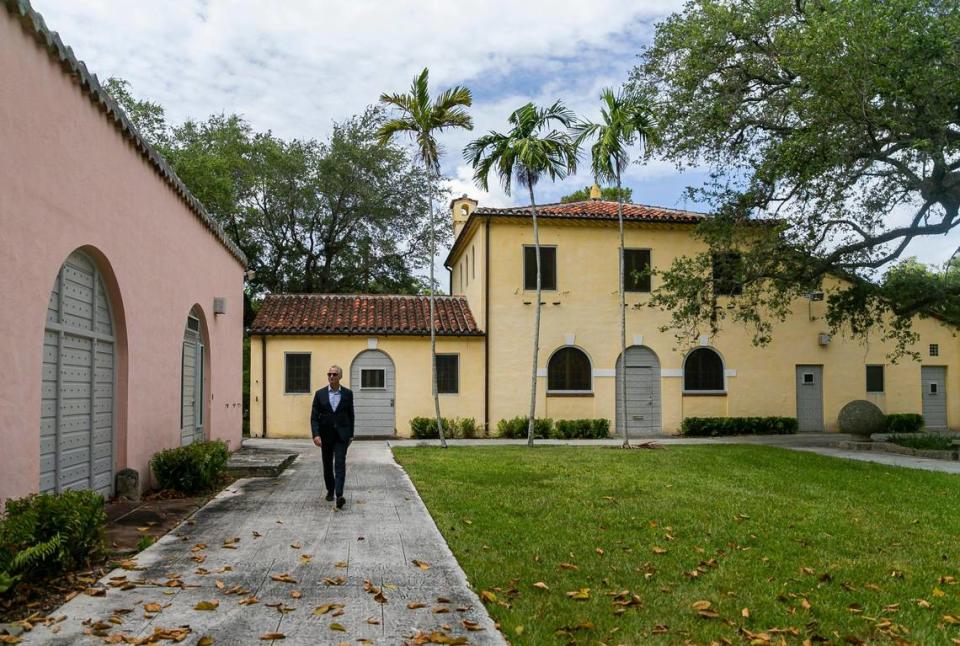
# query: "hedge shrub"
[191,469]
[50,534]
[903,423]
[923,442]
[516,428]
[425,428]
[717,426]
[589,429]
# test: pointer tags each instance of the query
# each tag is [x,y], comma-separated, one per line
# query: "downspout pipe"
[263,380]
[486,327]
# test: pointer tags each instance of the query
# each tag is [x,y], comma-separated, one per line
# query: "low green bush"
[589,429]
[50,534]
[425,428]
[903,423]
[191,469]
[717,426]
[516,428]
[923,442]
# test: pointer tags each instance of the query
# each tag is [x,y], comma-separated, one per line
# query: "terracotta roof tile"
[363,314]
[601,210]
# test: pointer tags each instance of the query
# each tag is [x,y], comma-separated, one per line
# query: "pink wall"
[69,180]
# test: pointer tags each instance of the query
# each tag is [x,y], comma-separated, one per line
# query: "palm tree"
[530,150]
[626,118]
[422,119]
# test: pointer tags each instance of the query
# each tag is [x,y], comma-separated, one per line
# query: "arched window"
[703,370]
[568,370]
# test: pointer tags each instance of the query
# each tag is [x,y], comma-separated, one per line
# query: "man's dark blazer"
[324,421]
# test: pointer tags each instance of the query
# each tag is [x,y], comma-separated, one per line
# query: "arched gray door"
[373,380]
[643,392]
[77,389]
[191,384]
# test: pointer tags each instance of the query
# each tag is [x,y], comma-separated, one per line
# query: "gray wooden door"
[191,384]
[933,379]
[373,381]
[76,400]
[810,398]
[643,392]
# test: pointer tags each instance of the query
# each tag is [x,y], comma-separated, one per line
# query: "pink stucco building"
[122,306]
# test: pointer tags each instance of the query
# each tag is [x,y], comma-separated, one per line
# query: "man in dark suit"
[331,422]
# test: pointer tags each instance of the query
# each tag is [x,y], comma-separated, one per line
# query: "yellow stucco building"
[485,336]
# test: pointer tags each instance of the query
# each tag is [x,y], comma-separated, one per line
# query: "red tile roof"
[363,314]
[600,210]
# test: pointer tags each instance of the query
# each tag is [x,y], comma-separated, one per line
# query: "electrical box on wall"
[823,338]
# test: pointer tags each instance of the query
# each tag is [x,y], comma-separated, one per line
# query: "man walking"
[331,422]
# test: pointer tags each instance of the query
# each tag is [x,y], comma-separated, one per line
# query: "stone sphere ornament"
[861,418]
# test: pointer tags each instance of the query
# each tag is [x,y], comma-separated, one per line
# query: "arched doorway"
[193,370]
[643,392]
[373,380]
[78,382]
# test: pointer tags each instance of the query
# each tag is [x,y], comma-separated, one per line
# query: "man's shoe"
[341,501]
[329,496]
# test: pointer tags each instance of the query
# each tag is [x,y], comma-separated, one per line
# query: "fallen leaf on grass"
[541,585]
[568,566]
[269,637]
[806,604]
[207,605]
[656,549]
[599,551]
[937,592]
[488,596]
[745,613]
[421,564]
[701,605]
[579,595]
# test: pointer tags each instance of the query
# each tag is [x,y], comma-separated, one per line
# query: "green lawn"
[792,545]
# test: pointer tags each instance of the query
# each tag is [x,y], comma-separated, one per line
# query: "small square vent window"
[808,377]
[934,350]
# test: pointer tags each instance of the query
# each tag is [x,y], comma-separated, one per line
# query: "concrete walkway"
[277,540]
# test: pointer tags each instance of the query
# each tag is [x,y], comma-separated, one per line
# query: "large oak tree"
[838,118]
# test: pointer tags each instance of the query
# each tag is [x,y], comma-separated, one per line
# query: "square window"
[373,378]
[297,373]
[874,379]
[933,388]
[808,377]
[726,274]
[548,268]
[934,350]
[636,270]
[448,373]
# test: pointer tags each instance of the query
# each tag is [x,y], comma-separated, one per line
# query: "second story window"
[726,274]
[636,270]
[548,268]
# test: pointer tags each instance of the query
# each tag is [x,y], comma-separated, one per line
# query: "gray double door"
[77,387]
[810,398]
[374,383]
[933,380]
[642,390]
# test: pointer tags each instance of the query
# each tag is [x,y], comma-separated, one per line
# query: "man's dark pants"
[333,450]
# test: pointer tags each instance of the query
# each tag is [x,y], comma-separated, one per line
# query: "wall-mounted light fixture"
[219,305]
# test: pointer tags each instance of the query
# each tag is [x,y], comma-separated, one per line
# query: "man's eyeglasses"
[333,374]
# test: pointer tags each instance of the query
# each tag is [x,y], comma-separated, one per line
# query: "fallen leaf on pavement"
[283,578]
[421,564]
[295,594]
[206,640]
[338,627]
[207,605]
[268,637]
[413,605]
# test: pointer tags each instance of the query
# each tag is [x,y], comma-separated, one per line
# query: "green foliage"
[608,193]
[903,423]
[799,114]
[923,442]
[425,428]
[191,469]
[718,426]
[7,581]
[145,542]
[50,534]
[339,215]
[582,429]
[516,428]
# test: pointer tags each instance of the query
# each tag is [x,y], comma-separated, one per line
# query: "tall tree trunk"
[623,321]
[433,325]
[536,325]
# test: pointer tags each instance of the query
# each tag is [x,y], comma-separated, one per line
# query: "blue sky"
[296,66]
